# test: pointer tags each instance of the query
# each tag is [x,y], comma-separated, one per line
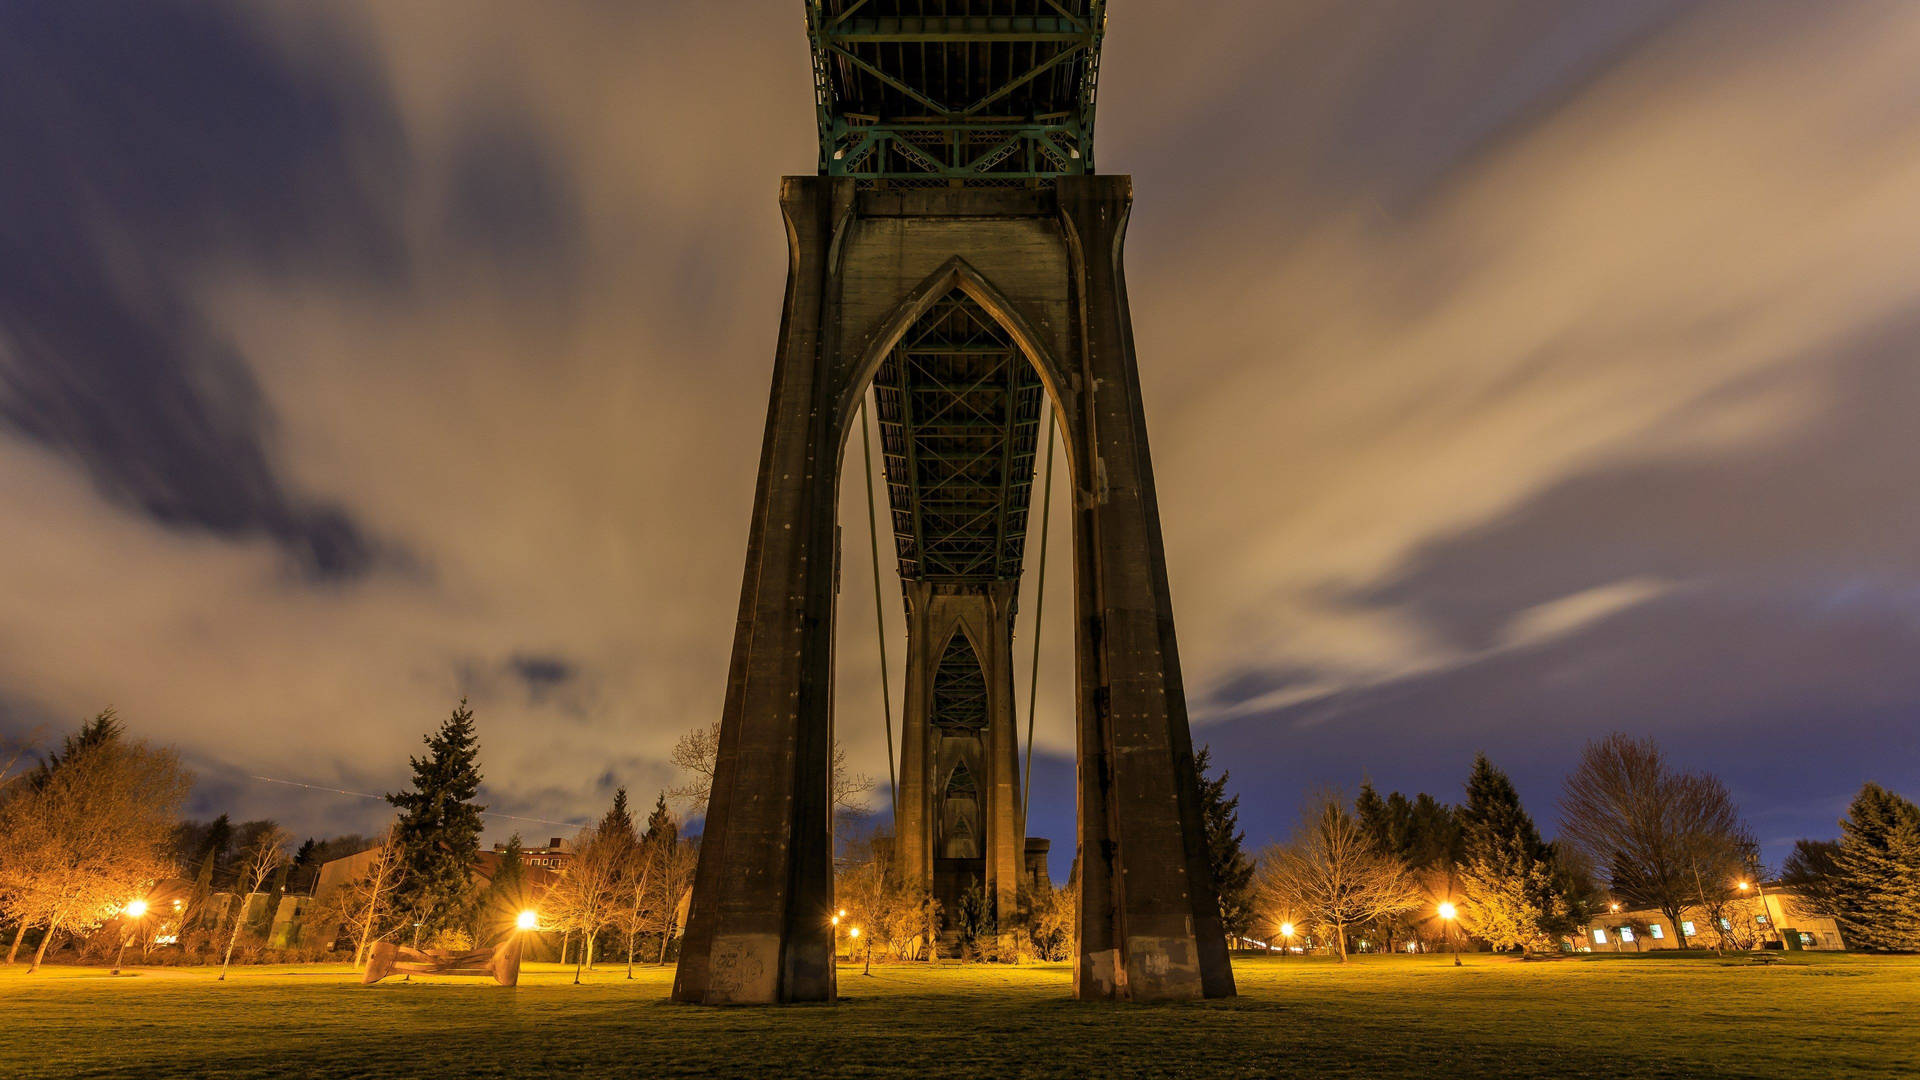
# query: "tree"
[369,903]
[892,915]
[505,897]
[1508,878]
[1422,832]
[262,857]
[651,882]
[105,728]
[1811,874]
[91,830]
[1874,889]
[1659,835]
[697,754]
[1330,875]
[438,832]
[1226,857]
[582,899]
[1053,917]
[1721,854]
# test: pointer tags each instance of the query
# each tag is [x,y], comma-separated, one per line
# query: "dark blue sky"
[1517,372]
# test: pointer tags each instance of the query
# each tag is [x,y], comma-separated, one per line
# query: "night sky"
[1516,372]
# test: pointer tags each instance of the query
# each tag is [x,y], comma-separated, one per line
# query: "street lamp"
[135,910]
[868,967]
[527,920]
[1447,912]
[1769,931]
[1286,931]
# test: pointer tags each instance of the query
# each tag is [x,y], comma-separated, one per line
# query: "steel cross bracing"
[959,408]
[960,688]
[920,92]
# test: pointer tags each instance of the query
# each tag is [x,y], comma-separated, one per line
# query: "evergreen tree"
[661,827]
[218,842]
[1508,878]
[1812,874]
[1376,820]
[1232,870]
[617,826]
[197,902]
[1877,895]
[439,827]
[104,728]
[504,898]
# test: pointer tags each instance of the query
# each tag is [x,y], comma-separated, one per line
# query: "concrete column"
[1150,918]
[913,832]
[758,929]
[1006,840]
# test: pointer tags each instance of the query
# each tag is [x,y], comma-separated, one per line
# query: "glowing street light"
[1286,931]
[867,969]
[527,920]
[1447,913]
[135,910]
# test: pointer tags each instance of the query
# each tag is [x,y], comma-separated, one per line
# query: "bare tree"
[698,751]
[695,754]
[1663,839]
[89,833]
[366,903]
[1330,875]
[636,887]
[267,853]
[585,897]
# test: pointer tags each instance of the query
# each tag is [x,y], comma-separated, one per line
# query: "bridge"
[957,256]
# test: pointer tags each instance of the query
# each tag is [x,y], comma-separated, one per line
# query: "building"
[554,857]
[1766,919]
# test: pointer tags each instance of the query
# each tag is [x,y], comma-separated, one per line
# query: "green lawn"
[1611,1017]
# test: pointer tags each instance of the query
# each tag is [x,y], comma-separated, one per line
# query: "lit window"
[1761,919]
[1599,937]
[1687,928]
[1808,939]
[1725,925]
[1626,934]
[1658,934]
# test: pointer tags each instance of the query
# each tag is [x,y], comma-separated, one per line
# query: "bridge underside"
[871,301]
[956,253]
[959,411]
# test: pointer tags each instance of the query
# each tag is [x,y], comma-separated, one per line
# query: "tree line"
[1635,833]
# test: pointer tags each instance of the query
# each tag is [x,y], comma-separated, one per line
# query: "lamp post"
[527,920]
[835,921]
[136,910]
[1761,891]
[1447,912]
[1286,933]
[867,969]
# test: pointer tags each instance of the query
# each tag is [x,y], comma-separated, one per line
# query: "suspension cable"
[1039,605]
[879,616]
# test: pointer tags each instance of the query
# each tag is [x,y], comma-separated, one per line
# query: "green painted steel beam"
[869,57]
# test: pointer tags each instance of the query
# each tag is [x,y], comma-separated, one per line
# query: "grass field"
[1613,1017]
